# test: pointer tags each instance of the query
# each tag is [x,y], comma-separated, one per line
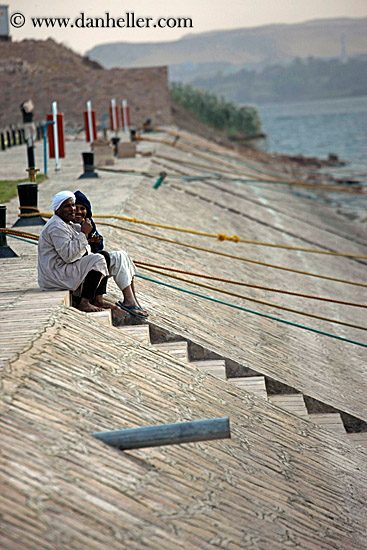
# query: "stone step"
[330,421]
[291,402]
[254,384]
[103,317]
[216,367]
[140,332]
[178,350]
[359,438]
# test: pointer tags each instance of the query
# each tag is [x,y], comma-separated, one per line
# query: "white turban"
[61,197]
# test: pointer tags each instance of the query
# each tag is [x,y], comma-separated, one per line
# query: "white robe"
[62,264]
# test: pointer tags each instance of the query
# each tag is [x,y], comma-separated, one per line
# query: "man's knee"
[106,257]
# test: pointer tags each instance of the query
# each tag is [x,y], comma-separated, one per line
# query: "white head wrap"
[61,197]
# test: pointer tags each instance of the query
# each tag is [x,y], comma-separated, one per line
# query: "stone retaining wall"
[47,71]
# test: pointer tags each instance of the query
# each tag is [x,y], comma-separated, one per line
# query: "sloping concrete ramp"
[279,482]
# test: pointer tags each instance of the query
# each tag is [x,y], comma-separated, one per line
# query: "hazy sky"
[206,15]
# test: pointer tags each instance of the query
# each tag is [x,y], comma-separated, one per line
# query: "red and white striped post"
[56,138]
[90,123]
[114,116]
[125,115]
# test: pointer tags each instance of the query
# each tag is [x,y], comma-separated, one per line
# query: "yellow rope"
[233,238]
[219,236]
[263,302]
[35,237]
[232,256]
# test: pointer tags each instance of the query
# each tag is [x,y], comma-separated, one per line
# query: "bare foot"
[87,307]
[104,305]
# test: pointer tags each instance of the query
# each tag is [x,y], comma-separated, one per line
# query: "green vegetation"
[301,80]
[8,188]
[238,122]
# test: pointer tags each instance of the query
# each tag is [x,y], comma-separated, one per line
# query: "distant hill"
[203,54]
[300,80]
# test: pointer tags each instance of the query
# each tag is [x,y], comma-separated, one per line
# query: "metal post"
[32,170]
[90,125]
[28,203]
[20,136]
[159,181]
[124,112]
[56,138]
[167,434]
[3,147]
[44,128]
[5,250]
[8,139]
[30,157]
[114,121]
[39,131]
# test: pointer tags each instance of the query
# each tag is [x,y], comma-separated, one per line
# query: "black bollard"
[23,134]
[5,250]
[8,139]
[13,135]
[88,166]
[132,134]
[115,143]
[28,201]
[2,138]
[20,136]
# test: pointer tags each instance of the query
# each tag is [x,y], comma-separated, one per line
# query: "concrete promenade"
[282,480]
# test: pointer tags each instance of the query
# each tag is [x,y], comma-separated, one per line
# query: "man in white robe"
[65,261]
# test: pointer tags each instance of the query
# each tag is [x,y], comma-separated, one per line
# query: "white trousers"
[122,268]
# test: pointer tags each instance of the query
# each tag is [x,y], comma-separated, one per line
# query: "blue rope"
[21,238]
[252,311]
[231,305]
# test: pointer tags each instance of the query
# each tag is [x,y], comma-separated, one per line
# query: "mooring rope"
[272,317]
[250,285]
[218,236]
[262,302]
[256,262]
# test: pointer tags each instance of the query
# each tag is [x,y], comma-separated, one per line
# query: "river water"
[317,128]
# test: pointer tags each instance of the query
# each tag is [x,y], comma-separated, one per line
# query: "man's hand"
[86,226]
[95,238]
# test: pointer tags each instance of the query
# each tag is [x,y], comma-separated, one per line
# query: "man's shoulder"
[54,220]
[54,223]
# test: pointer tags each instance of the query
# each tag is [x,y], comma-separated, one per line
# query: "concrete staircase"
[291,402]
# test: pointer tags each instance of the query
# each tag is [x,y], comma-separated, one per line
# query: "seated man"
[65,261]
[120,266]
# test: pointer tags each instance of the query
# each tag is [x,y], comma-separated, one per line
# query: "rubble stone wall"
[46,71]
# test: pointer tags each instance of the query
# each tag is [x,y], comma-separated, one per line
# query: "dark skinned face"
[66,211]
[80,213]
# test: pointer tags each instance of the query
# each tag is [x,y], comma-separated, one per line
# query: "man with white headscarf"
[65,261]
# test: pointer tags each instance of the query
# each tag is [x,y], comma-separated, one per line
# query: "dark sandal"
[133,310]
